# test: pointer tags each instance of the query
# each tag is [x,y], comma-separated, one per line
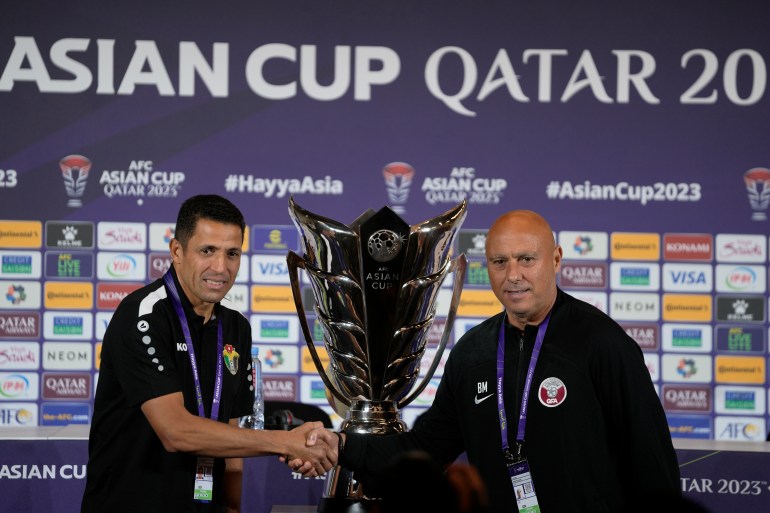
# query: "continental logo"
[740,369]
[272,298]
[78,295]
[308,367]
[478,303]
[635,246]
[687,307]
[692,247]
[21,234]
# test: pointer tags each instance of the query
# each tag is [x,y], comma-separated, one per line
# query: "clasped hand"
[318,451]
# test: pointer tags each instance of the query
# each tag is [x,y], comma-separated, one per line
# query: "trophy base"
[343,493]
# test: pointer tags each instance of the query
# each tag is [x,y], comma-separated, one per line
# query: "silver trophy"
[375,285]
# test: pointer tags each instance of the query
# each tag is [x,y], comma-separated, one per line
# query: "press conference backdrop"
[639,130]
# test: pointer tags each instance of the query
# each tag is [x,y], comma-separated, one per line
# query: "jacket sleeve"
[635,418]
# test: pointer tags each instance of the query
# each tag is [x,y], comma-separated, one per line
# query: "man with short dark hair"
[175,377]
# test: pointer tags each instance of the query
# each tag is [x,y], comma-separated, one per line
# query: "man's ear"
[176,250]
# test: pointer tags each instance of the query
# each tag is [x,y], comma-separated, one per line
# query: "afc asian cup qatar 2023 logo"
[757,182]
[74,171]
[398,179]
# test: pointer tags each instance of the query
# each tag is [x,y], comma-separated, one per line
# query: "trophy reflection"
[375,284]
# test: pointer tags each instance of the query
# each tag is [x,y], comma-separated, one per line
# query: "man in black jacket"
[591,435]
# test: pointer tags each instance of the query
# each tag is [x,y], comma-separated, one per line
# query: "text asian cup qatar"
[375,284]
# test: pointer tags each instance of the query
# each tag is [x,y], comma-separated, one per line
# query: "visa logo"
[269,269]
[688,278]
[273,269]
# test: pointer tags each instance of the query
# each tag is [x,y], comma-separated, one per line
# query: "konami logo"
[688,246]
[109,295]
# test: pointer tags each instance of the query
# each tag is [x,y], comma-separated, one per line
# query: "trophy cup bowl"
[375,285]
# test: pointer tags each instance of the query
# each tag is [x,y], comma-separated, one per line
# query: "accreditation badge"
[521,479]
[204,480]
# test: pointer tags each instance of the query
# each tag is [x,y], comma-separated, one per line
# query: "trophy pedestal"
[342,492]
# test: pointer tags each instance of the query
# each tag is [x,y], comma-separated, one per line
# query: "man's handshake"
[319,452]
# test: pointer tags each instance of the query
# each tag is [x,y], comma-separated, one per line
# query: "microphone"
[282,420]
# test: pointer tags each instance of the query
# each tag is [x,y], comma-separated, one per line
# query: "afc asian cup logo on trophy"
[375,285]
[74,171]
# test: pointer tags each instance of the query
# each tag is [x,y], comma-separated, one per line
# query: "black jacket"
[605,447]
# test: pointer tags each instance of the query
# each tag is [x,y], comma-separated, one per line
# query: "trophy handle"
[294,262]
[459,266]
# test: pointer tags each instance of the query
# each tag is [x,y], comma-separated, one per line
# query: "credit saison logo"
[16,264]
[735,399]
[687,337]
[634,276]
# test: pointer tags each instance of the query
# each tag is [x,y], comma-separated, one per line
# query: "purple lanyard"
[527,383]
[177,302]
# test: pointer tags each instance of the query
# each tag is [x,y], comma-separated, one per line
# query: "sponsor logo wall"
[602,135]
